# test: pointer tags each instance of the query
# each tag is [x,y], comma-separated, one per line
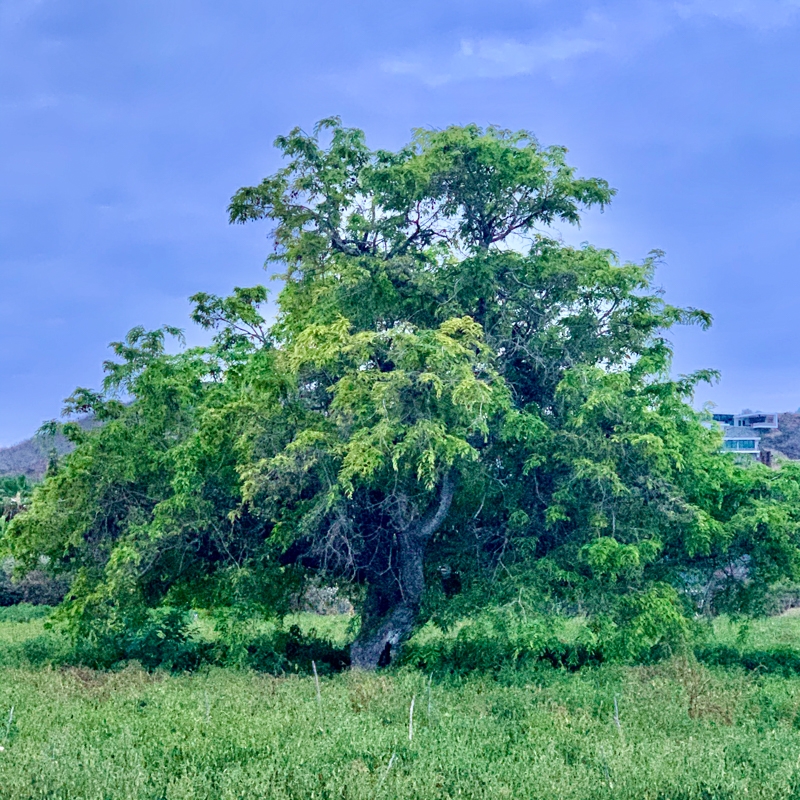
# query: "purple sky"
[125,127]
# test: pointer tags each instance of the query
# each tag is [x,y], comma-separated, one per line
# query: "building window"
[740,444]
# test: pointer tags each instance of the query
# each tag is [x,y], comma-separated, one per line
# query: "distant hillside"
[787,438]
[30,457]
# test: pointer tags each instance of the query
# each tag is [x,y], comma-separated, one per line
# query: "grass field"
[679,730]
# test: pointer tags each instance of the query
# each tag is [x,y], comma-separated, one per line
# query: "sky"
[126,126]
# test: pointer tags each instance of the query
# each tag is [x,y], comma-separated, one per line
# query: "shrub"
[642,628]
[36,588]
[646,627]
[24,612]
[46,649]
[783,661]
[497,640]
[167,638]
[292,651]
[162,639]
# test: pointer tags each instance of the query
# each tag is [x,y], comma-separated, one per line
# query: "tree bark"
[392,605]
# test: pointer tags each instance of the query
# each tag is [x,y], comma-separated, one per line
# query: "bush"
[498,640]
[163,639]
[23,612]
[46,649]
[643,628]
[780,598]
[783,661]
[292,651]
[167,638]
[36,588]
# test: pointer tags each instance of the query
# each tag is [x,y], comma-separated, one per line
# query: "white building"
[742,432]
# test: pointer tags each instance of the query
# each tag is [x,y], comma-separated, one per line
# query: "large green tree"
[446,387]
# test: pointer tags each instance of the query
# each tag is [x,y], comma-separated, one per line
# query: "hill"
[786,439]
[30,457]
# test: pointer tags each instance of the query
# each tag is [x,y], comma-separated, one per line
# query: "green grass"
[684,731]
[782,631]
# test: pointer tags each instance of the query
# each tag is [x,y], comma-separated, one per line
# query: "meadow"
[676,730]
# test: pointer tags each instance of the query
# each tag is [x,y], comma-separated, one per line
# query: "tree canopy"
[451,408]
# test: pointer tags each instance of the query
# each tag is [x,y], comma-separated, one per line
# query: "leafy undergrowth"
[499,641]
[491,643]
[168,642]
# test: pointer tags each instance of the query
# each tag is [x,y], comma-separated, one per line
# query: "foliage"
[170,640]
[162,639]
[448,389]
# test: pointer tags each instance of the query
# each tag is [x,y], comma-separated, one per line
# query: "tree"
[387,248]
[446,385]
[14,496]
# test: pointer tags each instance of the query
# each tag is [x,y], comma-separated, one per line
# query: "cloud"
[616,31]
[495,56]
[761,14]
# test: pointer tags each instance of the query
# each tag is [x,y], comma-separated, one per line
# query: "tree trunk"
[392,604]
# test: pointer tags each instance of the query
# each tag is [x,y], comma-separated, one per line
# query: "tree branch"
[431,522]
